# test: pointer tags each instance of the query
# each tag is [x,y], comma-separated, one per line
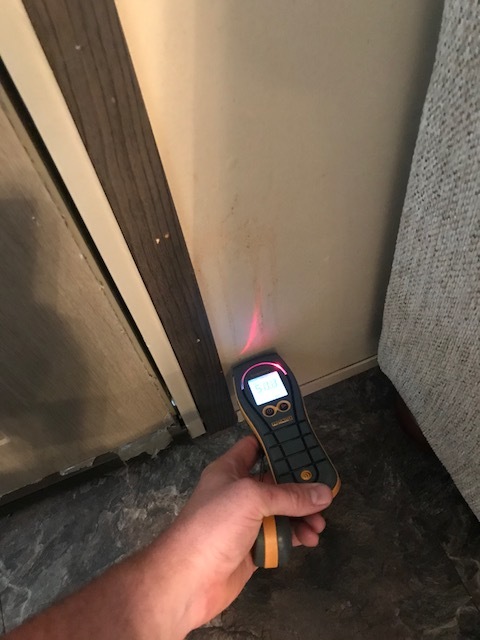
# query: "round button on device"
[284,405]
[269,411]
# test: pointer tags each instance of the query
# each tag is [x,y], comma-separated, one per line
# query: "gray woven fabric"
[430,343]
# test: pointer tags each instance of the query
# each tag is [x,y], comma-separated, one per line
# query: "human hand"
[208,546]
[193,570]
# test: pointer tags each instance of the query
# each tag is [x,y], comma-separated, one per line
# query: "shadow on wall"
[42,372]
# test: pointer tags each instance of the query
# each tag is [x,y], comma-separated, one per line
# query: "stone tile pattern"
[399,560]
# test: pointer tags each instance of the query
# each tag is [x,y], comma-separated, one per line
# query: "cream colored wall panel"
[286,130]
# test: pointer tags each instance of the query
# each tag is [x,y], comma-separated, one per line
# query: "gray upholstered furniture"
[430,344]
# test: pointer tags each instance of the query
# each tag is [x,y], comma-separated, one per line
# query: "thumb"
[294,500]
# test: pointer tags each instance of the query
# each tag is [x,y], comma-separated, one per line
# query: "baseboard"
[338,376]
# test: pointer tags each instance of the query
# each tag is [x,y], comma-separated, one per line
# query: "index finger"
[238,460]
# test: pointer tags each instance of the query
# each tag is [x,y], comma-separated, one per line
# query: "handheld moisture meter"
[272,405]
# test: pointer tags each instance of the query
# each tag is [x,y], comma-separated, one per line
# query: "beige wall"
[286,129]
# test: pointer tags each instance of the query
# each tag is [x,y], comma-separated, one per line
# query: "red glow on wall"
[253,331]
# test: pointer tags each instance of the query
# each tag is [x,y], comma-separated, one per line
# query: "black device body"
[271,403]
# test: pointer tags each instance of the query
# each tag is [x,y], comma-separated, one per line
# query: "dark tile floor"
[399,560]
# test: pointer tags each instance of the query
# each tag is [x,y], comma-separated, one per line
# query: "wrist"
[168,597]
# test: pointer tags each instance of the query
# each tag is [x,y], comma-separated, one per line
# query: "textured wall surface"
[430,345]
[287,130]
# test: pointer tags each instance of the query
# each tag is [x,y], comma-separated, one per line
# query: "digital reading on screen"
[267,388]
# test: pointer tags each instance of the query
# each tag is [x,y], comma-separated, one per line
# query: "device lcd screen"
[267,388]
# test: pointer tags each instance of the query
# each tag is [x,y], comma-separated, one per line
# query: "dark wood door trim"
[86,49]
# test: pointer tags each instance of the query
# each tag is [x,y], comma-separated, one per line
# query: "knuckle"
[269,493]
[246,490]
[205,472]
[208,470]
[275,497]
[295,498]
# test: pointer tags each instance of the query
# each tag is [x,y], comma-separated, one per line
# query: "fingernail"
[321,495]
